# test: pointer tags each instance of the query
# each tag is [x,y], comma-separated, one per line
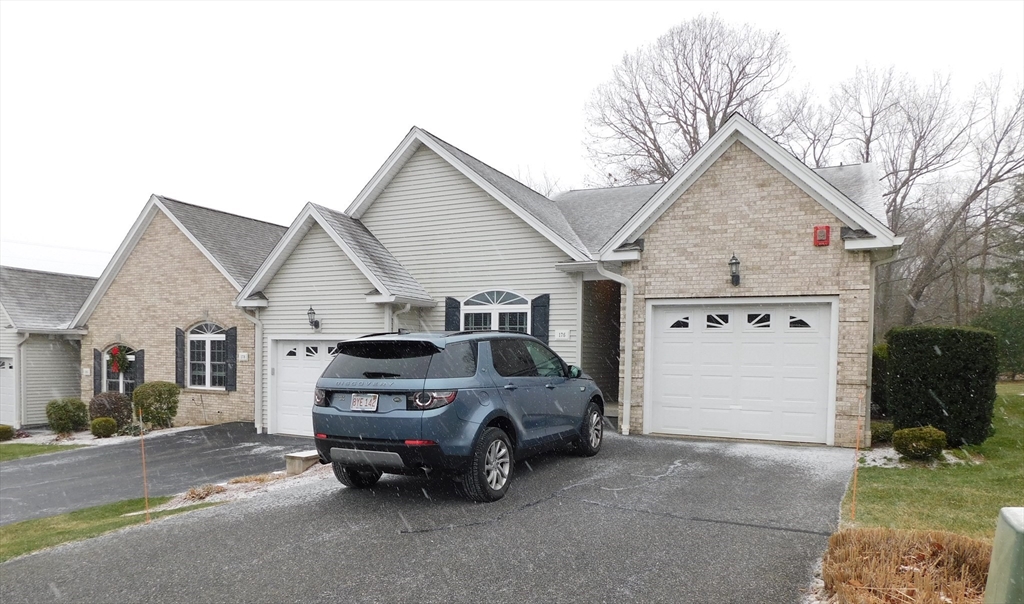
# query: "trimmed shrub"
[67,415]
[881,433]
[157,402]
[943,377]
[919,443]
[879,373]
[6,432]
[103,427]
[113,405]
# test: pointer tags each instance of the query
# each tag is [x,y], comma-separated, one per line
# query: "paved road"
[44,485]
[648,520]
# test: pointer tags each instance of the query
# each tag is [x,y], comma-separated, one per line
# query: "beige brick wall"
[167,283]
[743,206]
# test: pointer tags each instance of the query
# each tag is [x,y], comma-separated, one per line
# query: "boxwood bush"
[103,427]
[919,443]
[157,402]
[6,432]
[67,415]
[943,377]
[879,373]
[113,405]
[881,432]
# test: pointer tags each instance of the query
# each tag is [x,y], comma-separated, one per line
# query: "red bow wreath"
[118,359]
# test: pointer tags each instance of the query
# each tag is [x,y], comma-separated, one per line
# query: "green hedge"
[157,402]
[113,405]
[943,377]
[6,432]
[879,373]
[1007,322]
[67,415]
[919,443]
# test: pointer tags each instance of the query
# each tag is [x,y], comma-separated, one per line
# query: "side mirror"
[574,371]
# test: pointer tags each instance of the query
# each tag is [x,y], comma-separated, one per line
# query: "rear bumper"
[390,456]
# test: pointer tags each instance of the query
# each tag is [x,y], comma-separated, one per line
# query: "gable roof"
[533,208]
[596,214]
[234,244]
[737,128]
[384,271]
[859,182]
[38,300]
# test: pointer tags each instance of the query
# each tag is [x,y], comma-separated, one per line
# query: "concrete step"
[297,463]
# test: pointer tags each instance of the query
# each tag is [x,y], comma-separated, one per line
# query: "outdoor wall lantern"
[313,321]
[734,270]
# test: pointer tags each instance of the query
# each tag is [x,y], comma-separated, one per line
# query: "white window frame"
[496,309]
[206,338]
[120,374]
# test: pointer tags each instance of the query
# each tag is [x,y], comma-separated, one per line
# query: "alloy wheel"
[496,465]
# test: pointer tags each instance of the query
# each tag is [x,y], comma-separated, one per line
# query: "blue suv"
[466,405]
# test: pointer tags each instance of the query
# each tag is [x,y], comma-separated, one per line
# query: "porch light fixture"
[313,321]
[734,270]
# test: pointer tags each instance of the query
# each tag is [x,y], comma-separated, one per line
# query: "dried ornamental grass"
[891,566]
[256,478]
[201,493]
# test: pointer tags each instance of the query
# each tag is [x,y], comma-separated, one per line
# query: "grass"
[958,498]
[257,478]
[28,536]
[9,451]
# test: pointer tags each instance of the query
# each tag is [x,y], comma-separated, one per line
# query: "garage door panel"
[298,365]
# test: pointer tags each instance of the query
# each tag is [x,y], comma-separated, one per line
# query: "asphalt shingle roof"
[374,255]
[597,214]
[41,300]
[860,183]
[238,243]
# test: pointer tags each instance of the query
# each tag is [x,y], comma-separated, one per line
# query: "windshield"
[402,359]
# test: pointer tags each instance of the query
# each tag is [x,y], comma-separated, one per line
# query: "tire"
[355,479]
[592,431]
[490,469]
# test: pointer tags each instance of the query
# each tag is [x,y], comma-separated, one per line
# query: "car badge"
[397,399]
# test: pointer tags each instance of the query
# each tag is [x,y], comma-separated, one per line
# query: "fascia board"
[384,174]
[252,303]
[13,325]
[54,331]
[873,244]
[624,256]
[116,262]
[202,248]
[277,257]
[382,299]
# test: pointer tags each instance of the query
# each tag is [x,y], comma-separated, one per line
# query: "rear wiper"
[380,374]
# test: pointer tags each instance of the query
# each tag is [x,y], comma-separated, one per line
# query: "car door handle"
[510,386]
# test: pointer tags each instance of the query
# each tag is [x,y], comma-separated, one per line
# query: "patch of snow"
[45,436]
[887,457]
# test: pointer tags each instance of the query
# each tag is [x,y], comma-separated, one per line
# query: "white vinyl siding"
[8,336]
[457,240]
[50,370]
[318,274]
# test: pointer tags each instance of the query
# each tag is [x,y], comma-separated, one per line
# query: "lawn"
[30,535]
[9,451]
[958,498]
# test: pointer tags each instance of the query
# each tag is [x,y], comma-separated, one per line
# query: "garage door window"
[796,322]
[682,323]
[717,321]
[207,356]
[759,320]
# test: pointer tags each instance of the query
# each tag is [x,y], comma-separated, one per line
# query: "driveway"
[44,485]
[647,520]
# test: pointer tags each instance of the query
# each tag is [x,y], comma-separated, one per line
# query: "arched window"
[496,309]
[123,379]
[207,356]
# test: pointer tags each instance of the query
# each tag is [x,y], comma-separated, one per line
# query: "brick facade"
[167,283]
[743,206]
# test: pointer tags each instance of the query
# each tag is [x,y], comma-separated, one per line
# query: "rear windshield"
[402,359]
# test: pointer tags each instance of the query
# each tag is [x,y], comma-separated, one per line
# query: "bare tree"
[664,101]
[811,131]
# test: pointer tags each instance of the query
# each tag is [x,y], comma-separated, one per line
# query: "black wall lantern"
[734,270]
[313,321]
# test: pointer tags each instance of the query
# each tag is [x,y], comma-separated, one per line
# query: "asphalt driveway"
[44,485]
[647,520]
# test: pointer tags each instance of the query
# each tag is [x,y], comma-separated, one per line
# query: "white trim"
[832,301]
[579,323]
[272,343]
[496,309]
[207,355]
[409,145]
[739,129]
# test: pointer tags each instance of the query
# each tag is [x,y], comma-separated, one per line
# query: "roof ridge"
[650,184]
[194,205]
[33,270]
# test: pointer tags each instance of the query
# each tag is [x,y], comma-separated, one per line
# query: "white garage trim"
[273,370]
[832,301]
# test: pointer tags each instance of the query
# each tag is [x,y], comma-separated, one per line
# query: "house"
[734,300]
[39,350]
[165,302]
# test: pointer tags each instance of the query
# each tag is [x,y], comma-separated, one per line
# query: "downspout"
[627,398]
[395,314]
[19,390]
[257,413]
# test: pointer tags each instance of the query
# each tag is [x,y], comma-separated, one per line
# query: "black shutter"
[140,367]
[452,312]
[539,312]
[179,358]
[97,371]
[231,350]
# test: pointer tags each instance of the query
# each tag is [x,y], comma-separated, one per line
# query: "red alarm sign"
[821,235]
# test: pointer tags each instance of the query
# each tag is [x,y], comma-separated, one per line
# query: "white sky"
[257,108]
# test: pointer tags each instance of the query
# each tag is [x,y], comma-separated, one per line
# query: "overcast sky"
[257,108]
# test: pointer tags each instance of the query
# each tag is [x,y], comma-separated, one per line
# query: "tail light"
[320,398]
[421,401]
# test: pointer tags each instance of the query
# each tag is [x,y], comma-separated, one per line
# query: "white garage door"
[7,412]
[741,371]
[297,368]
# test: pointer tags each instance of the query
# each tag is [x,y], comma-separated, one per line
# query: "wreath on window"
[118,360]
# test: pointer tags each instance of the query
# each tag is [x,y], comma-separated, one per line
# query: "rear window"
[402,359]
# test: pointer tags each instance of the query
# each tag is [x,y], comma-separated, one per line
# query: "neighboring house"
[166,299]
[439,240]
[39,351]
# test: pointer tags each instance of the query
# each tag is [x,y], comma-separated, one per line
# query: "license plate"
[364,402]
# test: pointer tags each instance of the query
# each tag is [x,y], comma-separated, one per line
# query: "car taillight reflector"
[420,443]
[321,436]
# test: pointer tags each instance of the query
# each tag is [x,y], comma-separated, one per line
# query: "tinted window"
[511,359]
[548,364]
[402,359]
